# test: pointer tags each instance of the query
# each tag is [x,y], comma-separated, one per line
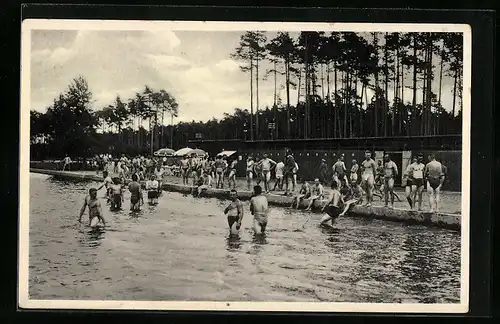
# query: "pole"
[172,131]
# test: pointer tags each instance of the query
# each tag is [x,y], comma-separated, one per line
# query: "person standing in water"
[408,178]
[92,202]
[234,211]
[316,193]
[106,184]
[136,197]
[368,169]
[435,177]
[266,165]
[116,194]
[332,206]
[390,172]
[259,210]
[232,174]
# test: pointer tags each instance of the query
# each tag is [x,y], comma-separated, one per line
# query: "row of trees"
[315,63]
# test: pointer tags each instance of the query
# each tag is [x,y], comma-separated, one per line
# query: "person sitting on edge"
[352,197]
[332,206]
[304,193]
[94,205]
[390,172]
[116,194]
[202,184]
[152,188]
[234,211]
[259,209]
[136,197]
[316,193]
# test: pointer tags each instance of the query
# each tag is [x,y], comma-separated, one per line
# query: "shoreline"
[441,220]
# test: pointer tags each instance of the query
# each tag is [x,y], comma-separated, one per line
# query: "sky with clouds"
[195,66]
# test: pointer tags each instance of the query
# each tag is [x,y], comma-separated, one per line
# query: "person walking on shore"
[249,172]
[390,172]
[266,164]
[435,177]
[289,174]
[279,175]
[67,163]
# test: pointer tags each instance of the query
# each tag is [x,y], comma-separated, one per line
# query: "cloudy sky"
[194,66]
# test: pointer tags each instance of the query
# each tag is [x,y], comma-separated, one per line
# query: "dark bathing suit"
[231,220]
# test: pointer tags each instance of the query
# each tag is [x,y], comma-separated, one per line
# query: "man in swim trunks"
[379,176]
[316,193]
[136,197]
[339,170]
[152,187]
[267,165]
[332,206]
[220,167]
[390,173]
[434,175]
[295,171]
[354,171]
[288,173]
[249,172]
[232,173]
[418,182]
[259,210]
[408,179]
[116,194]
[106,184]
[304,193]
[279,175]
[323,171]
[234,211]
[368,169]
[94,205]
[351,197]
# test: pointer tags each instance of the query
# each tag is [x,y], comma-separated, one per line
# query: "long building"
[309,152]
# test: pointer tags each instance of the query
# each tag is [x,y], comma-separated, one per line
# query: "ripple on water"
[181,250]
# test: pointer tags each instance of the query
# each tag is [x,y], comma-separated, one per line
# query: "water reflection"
[233,242]
[92,236]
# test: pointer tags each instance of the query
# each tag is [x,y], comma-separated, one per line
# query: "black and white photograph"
[244,166]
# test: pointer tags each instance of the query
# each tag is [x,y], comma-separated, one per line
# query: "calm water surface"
[180,250]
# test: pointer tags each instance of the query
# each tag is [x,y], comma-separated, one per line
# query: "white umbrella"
[183,151]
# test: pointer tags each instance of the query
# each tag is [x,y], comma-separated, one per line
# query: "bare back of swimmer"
[259,209]
[434,175]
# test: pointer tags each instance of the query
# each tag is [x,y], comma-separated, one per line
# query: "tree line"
[332,72]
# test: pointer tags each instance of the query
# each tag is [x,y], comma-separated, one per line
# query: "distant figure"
[332,206]
[249,172]
[152,187]
[288,173]
[418,182]
[295,171]
[202,184]
[323,171]
[116,194]
[67,163]
[220,166]
[304,193]
[354,171]
[92,202]
[106,184]
[435,177]
[259,210]
[316,193]
[368,169]
[279,175]
[390,172]
[266,165]
[159,172]
[234,211]
[136,196]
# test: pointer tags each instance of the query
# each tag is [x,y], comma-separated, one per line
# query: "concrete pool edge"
[442,220]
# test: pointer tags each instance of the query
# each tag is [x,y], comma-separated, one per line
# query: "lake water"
[180,250]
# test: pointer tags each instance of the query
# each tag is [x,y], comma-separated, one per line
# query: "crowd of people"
[361,183]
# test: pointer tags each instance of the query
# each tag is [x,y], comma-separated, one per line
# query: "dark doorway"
[397,157]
